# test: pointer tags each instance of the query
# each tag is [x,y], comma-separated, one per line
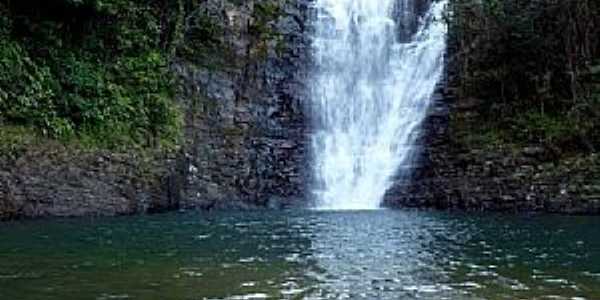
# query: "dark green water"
[303,255]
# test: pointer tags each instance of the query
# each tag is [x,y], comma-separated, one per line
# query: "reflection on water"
[366,255]
[302,255]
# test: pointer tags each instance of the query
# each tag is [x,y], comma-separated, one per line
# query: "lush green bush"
[93,69]
[27,91]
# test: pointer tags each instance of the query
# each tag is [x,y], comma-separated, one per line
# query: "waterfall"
[371,87]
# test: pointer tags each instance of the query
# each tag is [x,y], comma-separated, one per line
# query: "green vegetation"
[264,14]
[535,68]
[209,38]
[15,140]
[203,39]
[96,70]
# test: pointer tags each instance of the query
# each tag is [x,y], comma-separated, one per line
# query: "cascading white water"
[370,91]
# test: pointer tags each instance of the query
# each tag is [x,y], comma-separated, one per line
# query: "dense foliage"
[96,69]
[534,67]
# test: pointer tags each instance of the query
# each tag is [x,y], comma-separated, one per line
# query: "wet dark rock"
[245,140]
[51,180]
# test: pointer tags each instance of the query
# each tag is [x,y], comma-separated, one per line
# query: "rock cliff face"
[245,123]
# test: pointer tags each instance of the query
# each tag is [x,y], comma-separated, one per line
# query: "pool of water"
[302,255]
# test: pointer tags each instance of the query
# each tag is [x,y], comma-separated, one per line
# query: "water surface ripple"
[302,255]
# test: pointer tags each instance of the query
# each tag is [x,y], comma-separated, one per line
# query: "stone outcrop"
[452,173]
[52,180]
[245,142]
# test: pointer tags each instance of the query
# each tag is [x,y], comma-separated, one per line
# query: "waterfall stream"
[373,79]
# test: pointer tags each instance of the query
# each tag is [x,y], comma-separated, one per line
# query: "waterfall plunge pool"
[381,254]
